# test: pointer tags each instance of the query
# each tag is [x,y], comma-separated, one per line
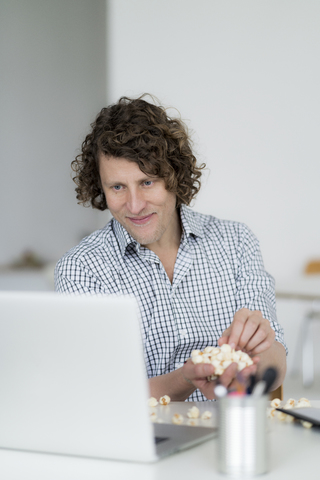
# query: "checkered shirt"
[218,270]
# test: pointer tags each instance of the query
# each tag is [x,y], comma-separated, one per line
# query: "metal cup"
[242,435]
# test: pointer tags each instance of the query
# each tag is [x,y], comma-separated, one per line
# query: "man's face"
[139,202]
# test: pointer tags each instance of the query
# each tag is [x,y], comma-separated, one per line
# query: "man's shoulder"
[100,243]
[213,227]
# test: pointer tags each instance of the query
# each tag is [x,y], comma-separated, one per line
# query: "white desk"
[294,454]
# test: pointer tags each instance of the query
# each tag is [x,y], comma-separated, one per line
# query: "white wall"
[52,83]
[245,75]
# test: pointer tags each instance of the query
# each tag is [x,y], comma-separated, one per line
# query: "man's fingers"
[237,327]
[263,338]
[223,340]
[224,337]
[251,326]
[228,375]
[205,387]
[262,346]
[250,332]
[258,336]
[192,372]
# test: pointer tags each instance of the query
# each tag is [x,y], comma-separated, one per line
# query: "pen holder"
[242,435]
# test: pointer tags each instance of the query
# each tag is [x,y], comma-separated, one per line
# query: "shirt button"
[183,333]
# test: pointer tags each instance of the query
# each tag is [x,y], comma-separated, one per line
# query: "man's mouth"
[141,220]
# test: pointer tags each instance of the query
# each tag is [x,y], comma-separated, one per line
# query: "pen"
[263,386]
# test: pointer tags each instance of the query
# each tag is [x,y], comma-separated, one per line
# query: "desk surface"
[294,454]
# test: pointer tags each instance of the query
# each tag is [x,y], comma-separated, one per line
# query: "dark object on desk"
[27,260]
[262,387]
[307,414]
[269,377]
[277,393]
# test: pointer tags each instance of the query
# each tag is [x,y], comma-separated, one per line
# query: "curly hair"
[143,133]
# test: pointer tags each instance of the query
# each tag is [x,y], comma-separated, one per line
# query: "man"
[199,281]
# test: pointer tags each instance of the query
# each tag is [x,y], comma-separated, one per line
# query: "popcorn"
[197,359]
[221,358]
[193,412]
[208,350]
[206,415]
[153,416]
[226,363]
[289,418]
[303,402]
[192,423]
[306,424]
[152,402]
[235,356]
[177,419]
[281,416]
[218,371]
[196,352]
[241,365]
[271,412]
[165,400]
[284,417]
[225,348]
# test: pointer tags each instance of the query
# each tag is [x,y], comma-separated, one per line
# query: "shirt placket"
[183,264]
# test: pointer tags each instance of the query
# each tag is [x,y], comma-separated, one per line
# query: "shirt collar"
[190,225]
[124,238]
[190,222]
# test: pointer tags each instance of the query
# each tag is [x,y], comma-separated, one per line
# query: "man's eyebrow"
[109,184]
[142,179]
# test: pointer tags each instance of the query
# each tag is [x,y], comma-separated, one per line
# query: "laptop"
[73,380]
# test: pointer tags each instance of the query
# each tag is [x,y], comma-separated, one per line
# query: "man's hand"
[197,376]
[249,332]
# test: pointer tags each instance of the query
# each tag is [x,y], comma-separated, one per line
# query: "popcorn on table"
[221,358]
[206,415]
[165,400]
[290,403]
[152,402]
[177,419]
[193,412]
[153,416]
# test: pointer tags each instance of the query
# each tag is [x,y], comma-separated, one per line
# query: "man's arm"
[248,331]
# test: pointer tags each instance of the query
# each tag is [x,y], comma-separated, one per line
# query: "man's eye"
[147,183]
[117,187]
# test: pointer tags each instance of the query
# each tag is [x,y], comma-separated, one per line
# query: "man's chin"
[144,238]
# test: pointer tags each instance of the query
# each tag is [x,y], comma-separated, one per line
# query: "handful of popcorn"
[221,358]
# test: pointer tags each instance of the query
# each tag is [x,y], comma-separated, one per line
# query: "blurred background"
[245,78]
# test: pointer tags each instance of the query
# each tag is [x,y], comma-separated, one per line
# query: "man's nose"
[136,202]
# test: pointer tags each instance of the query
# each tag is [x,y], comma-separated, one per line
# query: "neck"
[170,240]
